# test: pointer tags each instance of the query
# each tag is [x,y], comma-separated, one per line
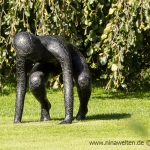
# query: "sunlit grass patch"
[111,117]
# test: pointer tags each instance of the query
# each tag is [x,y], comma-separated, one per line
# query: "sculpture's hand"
[67,120]
[21,88]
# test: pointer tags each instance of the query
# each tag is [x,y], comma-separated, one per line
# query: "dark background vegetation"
[113,35]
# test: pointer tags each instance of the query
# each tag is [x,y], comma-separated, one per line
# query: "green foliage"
[112,34]
[124,41]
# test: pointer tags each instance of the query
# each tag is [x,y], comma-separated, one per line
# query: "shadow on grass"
[94,117]
[109,116]
[34,121]
[121,96]
[30,121]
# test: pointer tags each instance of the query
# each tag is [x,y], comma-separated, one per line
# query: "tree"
[112,34]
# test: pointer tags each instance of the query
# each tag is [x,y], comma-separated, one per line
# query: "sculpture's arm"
[59,49]
[66,65]
[21,88]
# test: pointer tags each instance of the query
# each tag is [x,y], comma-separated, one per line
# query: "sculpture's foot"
[45,113]
[17,121]
[67,120]
[17,118]
[81,114]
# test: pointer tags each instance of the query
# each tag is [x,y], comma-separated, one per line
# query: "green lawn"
[112,118]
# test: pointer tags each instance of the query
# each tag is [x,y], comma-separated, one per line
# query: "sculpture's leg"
[82,79]
[37,83]
[83,83]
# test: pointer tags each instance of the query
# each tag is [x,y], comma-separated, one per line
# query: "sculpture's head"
[28,45]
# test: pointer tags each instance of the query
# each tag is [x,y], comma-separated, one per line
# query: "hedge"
[113,35]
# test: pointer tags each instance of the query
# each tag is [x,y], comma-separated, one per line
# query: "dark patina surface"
[51,55]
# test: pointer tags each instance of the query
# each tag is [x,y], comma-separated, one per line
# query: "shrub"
[112,34]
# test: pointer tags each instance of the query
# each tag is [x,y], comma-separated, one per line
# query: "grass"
[112,117]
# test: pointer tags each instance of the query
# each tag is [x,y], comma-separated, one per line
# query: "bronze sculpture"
[51,54]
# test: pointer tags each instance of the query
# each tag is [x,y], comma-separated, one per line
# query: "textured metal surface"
[44,51]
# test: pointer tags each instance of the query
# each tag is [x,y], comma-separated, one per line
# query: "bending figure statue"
[51,55]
